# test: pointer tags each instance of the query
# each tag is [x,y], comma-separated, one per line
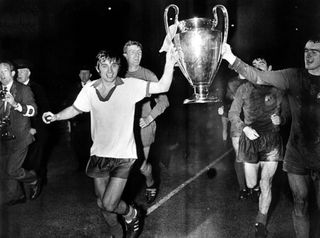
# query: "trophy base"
[195,99]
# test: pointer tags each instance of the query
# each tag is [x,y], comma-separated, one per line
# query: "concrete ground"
[190,203]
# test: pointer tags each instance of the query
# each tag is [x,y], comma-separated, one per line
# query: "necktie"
[5,103]
[2,104]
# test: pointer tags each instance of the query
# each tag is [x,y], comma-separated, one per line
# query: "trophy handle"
[226,26]
[168,32]
[226,20]
[165,16]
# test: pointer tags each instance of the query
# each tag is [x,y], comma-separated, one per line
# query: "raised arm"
[164,83]
[282,79]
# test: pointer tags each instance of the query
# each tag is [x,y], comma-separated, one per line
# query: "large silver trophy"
[199,44]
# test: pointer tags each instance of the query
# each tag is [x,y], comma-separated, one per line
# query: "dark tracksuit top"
[303,92]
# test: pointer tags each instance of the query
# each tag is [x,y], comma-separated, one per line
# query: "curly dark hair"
[108,54]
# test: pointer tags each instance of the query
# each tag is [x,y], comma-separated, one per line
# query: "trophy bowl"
[199,43]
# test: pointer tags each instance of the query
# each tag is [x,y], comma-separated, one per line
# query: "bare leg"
[251,173]
[224,121]
[238,166]
[300,190]
[268,170]
[146,168]
[109,191]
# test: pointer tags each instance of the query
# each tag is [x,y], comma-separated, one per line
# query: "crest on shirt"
[269,99]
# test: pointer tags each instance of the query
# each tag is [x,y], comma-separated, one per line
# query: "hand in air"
[227,53]
[251,133]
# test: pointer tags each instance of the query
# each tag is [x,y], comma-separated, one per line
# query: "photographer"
[16,106]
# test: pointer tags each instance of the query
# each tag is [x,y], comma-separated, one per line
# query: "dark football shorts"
[100,167]
[267,147]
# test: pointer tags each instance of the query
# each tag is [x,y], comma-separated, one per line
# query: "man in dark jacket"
[36,154]
[16,108]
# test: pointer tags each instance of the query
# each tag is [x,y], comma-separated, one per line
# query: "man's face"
[260,64]
[312,56]
[108,69]
[133,55]
[84,75]
[6,75]
[23,75]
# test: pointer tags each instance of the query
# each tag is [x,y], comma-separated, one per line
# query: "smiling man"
[111,102]
[302,158]
[146,114]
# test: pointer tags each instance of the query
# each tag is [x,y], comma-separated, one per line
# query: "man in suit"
[36,154]
[17,106]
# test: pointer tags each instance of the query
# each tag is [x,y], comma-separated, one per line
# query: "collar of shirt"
[8,86]
[26,82]
[118,81]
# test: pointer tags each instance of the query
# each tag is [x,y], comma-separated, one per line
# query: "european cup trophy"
[199,43]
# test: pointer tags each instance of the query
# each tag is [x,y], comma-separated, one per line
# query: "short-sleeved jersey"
[112,117]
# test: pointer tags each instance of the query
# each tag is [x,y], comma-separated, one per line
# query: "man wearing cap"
[36,155]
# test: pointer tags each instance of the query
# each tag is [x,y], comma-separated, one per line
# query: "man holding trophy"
[111,101]
[301,161]
[16,106]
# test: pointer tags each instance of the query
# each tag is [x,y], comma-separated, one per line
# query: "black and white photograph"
[159,119]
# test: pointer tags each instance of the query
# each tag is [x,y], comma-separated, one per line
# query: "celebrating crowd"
[257,103]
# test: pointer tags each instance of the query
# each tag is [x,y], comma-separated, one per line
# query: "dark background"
[57,36]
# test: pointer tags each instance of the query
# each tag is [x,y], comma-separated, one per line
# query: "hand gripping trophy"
[199,44]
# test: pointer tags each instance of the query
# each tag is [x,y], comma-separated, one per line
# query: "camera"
[3,93]
[5,133]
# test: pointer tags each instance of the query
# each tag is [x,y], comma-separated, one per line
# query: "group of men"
[111,101]
[260,144]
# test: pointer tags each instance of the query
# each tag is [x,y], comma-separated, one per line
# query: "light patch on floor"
[180,187]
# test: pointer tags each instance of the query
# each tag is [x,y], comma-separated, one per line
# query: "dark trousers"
[12,173]
[300,187]
[35,159]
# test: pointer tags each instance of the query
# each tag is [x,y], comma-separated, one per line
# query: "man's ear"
[98,70]
[13,73]
[270,68]
[29,72]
